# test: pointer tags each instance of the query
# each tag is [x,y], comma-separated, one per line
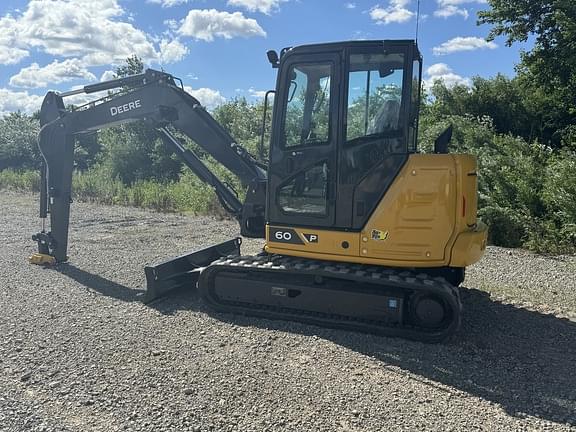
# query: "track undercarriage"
[380,300]
[409,303]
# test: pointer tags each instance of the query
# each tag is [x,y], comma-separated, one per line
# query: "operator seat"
[386,118]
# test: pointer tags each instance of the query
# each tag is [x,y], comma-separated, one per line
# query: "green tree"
[559,196]
[548,71]
[135,151]
[500,98]
[18,141]
[243,121]
[86,151]
[134,65]
[526,190]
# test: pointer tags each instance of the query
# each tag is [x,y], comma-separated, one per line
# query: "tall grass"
[28,181]
[187,195]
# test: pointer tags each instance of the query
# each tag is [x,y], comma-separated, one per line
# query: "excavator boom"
[156,98]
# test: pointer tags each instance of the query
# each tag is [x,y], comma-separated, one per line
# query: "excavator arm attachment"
[156,98]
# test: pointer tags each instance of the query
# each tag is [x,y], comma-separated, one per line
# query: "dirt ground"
[80,352]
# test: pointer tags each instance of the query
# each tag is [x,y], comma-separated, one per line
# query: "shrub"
[18,142]
[526,192]
[26,181]
[507,228]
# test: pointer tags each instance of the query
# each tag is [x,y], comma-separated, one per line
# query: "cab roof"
[339,46]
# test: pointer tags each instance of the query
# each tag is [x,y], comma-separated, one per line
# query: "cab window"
[374,94]
[374,113]
[307,120]
[305,194]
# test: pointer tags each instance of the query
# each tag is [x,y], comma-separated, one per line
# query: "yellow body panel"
[469,246]
[329,242]
[427,218]
[417,212]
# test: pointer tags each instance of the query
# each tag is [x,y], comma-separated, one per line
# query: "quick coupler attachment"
[45,243]
[183,271]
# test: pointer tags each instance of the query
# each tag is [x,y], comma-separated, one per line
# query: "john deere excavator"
[362,231]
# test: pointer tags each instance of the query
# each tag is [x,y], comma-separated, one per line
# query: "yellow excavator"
[362,231]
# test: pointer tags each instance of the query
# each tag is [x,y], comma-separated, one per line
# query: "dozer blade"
[183,271]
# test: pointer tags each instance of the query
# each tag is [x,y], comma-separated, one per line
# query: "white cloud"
[56,72]
[91,30]
[209,98]
[108,75]
[11,101]
[172,51]
[395,12]
[10,55]
[206,24]
[457,44]
[256,93]
[263,6]
[172,24]
[167,3]
[448,8]
[443,72]
[438,69]
[11,52]
[350,5]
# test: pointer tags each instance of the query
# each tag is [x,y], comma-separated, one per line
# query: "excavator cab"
[341,111]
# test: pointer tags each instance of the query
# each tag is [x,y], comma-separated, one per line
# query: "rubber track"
[409,281]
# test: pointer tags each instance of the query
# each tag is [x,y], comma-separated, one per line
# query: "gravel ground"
[79,352]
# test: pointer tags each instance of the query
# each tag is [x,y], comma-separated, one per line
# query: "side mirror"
[273,58]
[441,143]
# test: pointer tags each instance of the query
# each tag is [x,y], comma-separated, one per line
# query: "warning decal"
[379,235]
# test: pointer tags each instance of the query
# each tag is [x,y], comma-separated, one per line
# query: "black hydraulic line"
[129,81]
[43,191]
[203,173]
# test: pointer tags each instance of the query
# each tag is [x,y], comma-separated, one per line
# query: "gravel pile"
[79,352]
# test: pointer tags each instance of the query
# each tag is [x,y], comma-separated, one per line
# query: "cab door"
[304,147]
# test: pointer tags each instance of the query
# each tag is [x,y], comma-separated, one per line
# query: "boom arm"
[153,97]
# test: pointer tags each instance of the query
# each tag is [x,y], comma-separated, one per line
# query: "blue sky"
[218,47]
